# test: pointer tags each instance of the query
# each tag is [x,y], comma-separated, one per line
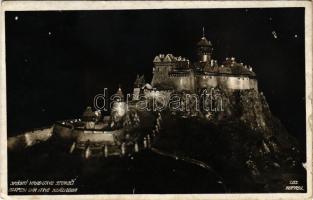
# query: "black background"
[55,76]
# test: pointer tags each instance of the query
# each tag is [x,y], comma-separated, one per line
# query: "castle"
[179,74]
[171,74]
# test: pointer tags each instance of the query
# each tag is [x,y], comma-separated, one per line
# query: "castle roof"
[169,58]
[120,93]
[229,67]
[204,42]
[140,81]
[238,68]
[147,86]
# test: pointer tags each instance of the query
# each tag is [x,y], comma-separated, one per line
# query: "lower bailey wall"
[82,135]
[229,82]
[97,143]
[29,138]
[96,136]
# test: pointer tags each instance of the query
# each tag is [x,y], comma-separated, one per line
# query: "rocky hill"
[244,143]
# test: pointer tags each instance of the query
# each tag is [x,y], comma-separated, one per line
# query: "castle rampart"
[178,74]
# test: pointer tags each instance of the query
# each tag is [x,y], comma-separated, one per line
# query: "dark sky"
[58,61]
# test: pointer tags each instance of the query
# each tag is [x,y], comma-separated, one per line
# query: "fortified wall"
[178,74]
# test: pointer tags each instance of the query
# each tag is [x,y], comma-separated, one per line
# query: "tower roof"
[140,81]
[204,42]
[88,114]
[120,93]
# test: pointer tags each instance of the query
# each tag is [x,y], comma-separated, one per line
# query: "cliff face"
[252,110]
[244,143]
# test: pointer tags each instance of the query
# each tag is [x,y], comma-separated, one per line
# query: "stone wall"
[68,133]
[96,136]
[239,83]
[229,82]
[161,76]
[164,79]
[181,82]
[29,138]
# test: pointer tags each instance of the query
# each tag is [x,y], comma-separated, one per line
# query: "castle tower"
[119,94]
[89,118]
[204,49]
[138,84]
[119,106]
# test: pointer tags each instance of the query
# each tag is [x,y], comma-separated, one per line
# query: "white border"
[129,5]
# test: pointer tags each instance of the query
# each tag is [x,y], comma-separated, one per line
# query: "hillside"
[244,143]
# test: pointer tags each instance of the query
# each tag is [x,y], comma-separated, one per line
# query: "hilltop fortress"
[179,74]
[207,114]
[202,110]
[203,89]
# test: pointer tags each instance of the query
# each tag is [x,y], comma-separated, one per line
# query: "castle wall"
[163,80]
[96,136]
[160,76]
[67,132]
[238,83]
[28,139]
[206,81]
[254,84]
[181,83]
[229,82]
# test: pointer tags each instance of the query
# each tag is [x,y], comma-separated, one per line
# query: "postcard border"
[128,5]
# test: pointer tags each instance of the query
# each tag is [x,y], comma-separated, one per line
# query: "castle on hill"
[179,74]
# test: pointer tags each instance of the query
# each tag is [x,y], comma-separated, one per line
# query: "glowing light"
[16,18]
[87,153]
[123,149]
[154,94]
[28,140]
[73,147]
[106,150]
[136,147]
[98,113]
[274,34]
[119,107]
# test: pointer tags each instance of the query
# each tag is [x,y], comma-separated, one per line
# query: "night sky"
[58,61]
